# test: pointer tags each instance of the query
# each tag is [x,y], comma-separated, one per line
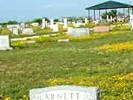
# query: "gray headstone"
[55,28]
[63,40]
[86,20]
[43,23]
[51,23]
[78,31]
[65,93]
[65,23]
[5,43]
[10,27]
[15,31]
[28,31]
[35,24]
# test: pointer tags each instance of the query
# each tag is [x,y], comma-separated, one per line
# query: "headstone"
[5,43]
[96,22]
[22,25]
[46,23]
[65,93]
[43,23]
[15,31]
[55,28]
[101,29]
[86,20]
[28,31]
[35,24]
[78,24]
[51,23]
[78,31]
[63,40]
[107,17]
[131,20]
[10,27]
[65,23]
[111,18]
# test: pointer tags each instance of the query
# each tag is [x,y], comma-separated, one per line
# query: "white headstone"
[107,17]
[10,27]
[65,93]
[43,23]
[15,31]
[5,43]
[131,20]
[111,18]
[51,23]
[63,40]
[86,20]
[28,31]
[22,25]
[46,23]
[35,24]
[65,23]
[55,28]
[78,31]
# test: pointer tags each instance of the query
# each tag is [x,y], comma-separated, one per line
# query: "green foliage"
[56,20]
[9,23]
[40,31]
[90,25]
[61,29]
[75,19]
[5,31]
[112,13]
[39,20]
[75,63]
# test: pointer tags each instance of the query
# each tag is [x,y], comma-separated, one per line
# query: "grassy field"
[79,62]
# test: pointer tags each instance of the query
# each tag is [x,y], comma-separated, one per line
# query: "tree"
[39,20]
[56,20]
[112,13]
[9,23]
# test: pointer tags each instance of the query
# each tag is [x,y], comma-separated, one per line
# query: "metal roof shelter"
[109,5]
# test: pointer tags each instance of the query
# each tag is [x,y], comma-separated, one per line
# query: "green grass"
[77,62]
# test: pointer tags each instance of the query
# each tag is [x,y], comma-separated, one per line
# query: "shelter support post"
[132,10]
[124,13]
[99,14]
[94,15]
[89,15]
[116,15]
[128,12]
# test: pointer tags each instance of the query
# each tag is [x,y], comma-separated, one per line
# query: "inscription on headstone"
[65,93]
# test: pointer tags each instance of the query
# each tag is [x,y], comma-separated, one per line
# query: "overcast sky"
[24,10]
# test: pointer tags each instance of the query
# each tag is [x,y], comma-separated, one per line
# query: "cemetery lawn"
[79,62]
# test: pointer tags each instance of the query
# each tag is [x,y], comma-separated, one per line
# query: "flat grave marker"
[65,93]
[78,31]
[101,29]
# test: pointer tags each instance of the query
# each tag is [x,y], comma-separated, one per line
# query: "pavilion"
[109,5]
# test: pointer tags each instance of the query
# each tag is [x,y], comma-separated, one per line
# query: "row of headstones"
[54,26]
[22,27]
